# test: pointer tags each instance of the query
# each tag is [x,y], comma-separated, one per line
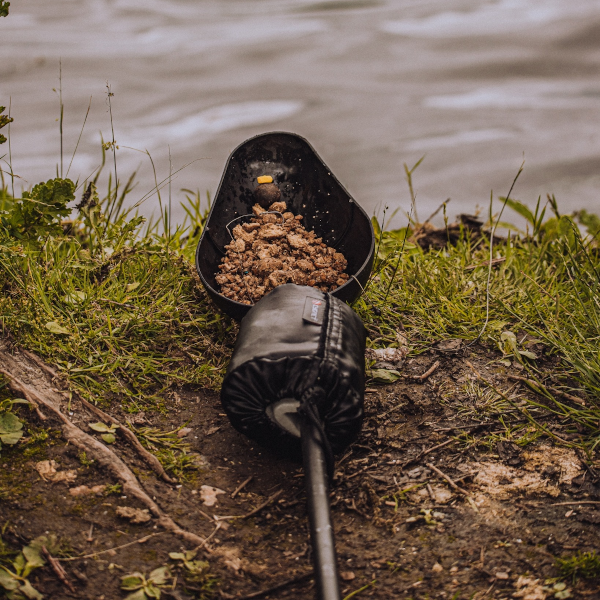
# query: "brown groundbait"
[272,249]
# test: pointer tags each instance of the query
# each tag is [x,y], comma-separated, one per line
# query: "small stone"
[437,568]
[135,515]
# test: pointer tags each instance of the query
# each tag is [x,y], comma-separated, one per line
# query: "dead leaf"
[230,557]
[46,468]
[509,452]
[529,589]
[209,494]
[387,358]
[451,345]
[441,494]
[135,515]
[66,476]
[183,432]
[84,490]
[48,472]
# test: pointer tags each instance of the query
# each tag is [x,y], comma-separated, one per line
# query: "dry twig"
[253,512]
[58,569]
[110,550]
[427,373]
[150,459]
[104,456]
[242,486]
[453,485]
[274,588]
[422,454]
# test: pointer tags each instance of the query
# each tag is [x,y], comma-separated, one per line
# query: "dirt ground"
[401,529]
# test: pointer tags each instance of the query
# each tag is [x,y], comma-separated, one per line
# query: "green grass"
[582,564]
[118,307]
[546,290]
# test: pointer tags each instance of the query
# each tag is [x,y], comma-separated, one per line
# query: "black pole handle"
[321,530]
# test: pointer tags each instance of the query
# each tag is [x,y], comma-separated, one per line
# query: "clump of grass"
[115,302]
[116,306]
[174,453]
[545,285]
[582,564]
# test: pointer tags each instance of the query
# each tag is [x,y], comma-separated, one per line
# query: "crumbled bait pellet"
[272,249]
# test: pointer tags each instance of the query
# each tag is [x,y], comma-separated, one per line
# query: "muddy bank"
[434,500]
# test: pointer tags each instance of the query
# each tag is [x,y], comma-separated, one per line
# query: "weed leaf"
[54,327]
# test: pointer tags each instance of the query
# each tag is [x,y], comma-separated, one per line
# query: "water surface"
[476,86]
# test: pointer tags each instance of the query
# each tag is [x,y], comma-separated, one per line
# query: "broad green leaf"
[528,354]
[75,297]
[10,423]
[109,438]
[139,595]
[152,591]
[132,582]
[19,564]
[54,327]
[11,438]
[384,375]
[132,286]
[160,576]
[177,556]
[509,342]
[29,591]
[196,566]
[7,579]
[100,427]
[34,560]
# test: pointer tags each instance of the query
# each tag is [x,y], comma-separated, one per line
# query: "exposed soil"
[399,525]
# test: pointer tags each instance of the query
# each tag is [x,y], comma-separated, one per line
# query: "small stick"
[275,588]
[430,491]
[456,487]
[580,502]
[254,511]
[427,373]
[150,459]
[139,541]
[242,486]
[422,454]
[203,544]
[89,537]
[450,481]
[358,472]
[58,569]
[486,263]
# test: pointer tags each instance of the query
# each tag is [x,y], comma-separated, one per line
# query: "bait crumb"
[272,249]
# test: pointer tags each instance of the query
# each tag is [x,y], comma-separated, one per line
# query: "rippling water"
[475,85]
